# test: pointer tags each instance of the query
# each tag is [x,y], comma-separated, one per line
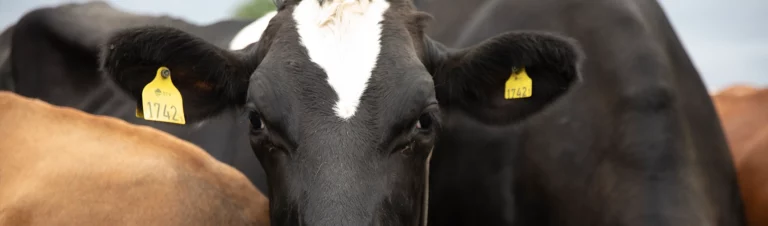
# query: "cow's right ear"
[209,78]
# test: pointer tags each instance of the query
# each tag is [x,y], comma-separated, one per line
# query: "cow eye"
[424,124]
[256,122]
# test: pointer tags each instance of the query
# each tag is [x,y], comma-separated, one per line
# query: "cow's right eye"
[257,123]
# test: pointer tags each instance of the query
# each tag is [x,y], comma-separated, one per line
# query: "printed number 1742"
[516,92]
[156,110]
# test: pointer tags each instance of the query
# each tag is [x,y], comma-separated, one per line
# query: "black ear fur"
[474,78]
[209,78]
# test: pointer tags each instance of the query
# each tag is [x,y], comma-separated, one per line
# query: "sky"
[722,37]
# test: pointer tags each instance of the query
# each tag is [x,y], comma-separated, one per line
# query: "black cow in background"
[5,52]
[637,143]
[52,54]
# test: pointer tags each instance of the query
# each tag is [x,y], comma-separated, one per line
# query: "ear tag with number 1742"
[161,100]
[519,85]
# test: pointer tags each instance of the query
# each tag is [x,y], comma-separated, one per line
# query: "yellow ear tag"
[518,86]
[161,100]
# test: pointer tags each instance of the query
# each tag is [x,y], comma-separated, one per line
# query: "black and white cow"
[52,54]
[637,143]
[345,98]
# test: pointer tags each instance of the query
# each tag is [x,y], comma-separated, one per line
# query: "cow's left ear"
[210,79]
[490,80]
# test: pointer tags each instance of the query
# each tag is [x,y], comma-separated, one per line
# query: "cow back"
[61,166]
[743,111]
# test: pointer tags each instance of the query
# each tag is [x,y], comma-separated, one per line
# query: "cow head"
[343,98]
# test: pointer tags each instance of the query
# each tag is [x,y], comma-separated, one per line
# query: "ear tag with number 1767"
[161,100]
[519,85]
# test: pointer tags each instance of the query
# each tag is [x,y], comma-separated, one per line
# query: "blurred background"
[724,38]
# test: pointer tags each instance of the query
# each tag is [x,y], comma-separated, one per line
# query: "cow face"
[343,99]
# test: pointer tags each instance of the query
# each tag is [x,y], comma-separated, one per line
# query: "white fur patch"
[343,38]
[251,33]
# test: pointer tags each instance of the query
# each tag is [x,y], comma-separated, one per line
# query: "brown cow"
[60,166]
[743,113]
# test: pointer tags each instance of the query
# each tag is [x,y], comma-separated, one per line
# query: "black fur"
[6,79]
[635,142]
[474,78]
[209,78]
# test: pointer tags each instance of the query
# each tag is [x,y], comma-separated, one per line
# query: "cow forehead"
[343,37]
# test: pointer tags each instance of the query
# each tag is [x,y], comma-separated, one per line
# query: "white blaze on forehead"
[251,33]
[343,38]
